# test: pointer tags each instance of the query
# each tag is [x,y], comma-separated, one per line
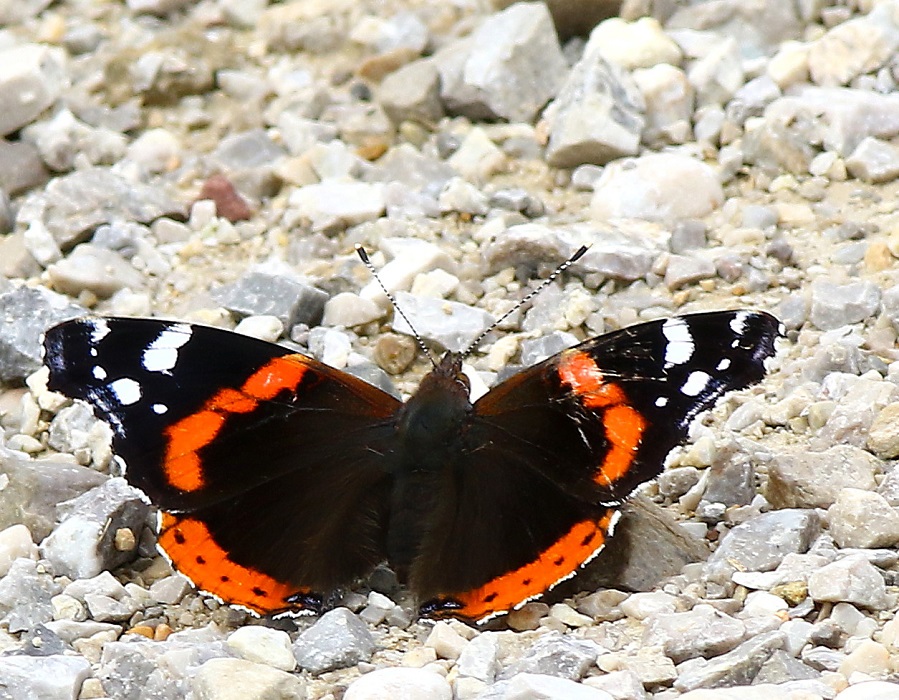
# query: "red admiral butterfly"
[279,478]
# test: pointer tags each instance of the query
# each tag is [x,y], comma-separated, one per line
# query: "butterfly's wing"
[553,451]
[265,463]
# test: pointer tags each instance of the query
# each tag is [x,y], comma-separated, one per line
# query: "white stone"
[446,641]
[263,645]
[537,686]
[641,605]
[852,579]
[656,187]
[238,679]
[638,44]
[327,205]
[349,310]
[869,657]
[789,65]
[863,519]
[669,104]
[263,327]
[156,151]
[15,542]
[32,76]
[400,684]
[860,45]
[870,690]
[477,157]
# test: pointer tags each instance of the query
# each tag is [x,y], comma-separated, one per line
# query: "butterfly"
[279,479]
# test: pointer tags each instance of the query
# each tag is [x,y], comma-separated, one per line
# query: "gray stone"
[534,686]
[538,349]
[874,160]
[621,685]
[464,197]
[15,259]
[815,479]
[737,667]
[73,205]
[337,640]
[104,584]
[674,483]
[249,158]
[751,99]
[412,93]
[21,167]
[731,478]
[27,313]
[84,544]
[36,487]
[452,325]
[861,518]
[761,543]
[63,137]
[262,294]
[685,270]
[649,664]
[54,677]
[32,77]
[405,683]
[702,631]
[238,679]
[89,268]
[597,116]
[852,579]
[555,655]
[858,401]
[508,69]
[104,608]
[781,667]
[25,594]
[657,187]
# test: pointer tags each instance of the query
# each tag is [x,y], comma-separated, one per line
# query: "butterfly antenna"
[530,295]
[363,256]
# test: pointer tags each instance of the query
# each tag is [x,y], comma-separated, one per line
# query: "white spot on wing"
[680,342]
[99,330]
[696,382]
[162,354]
[99,372]
[159,408]
[723,365]
[662,401]
[126,390]
[738,322]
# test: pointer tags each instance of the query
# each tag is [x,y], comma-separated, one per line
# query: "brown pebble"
[162,632]
[142,630]
[228,202]
[372,148]
[394,353]
[527,617]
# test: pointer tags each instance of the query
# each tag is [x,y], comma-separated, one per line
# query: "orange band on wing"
[623,424]
[556,563]
[194,552]
[182,466]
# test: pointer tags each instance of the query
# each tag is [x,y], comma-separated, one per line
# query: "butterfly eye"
[463,379]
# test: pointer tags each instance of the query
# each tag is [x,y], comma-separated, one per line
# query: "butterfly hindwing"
[576,434]
[260,458]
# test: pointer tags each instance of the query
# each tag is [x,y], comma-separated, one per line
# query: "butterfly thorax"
[430,437]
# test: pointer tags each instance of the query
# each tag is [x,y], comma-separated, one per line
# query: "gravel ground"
[217,161]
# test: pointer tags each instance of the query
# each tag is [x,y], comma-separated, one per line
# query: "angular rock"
[35,309]
[37,487]
[73,205]
[535,685]
[836,305]
[54,677]
[702,631]
[737,667]
[15,543]
[874,161]
[761,543]
[262,294]
[263,645]
[335,205]
[480,658]
[639,44]
[656,187]
[852,579]
[337,640]
[412,93]
[668,96]
[238,679]
[63,137]
[405,683]
[21,167]
[32,76]
[89,268]
[863,519]
[509,68]
[815,479]
[883,435]
[84,544]
[25,595]
[450,324]
[555,655]
[597,116]
[648,664]
[861,45]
